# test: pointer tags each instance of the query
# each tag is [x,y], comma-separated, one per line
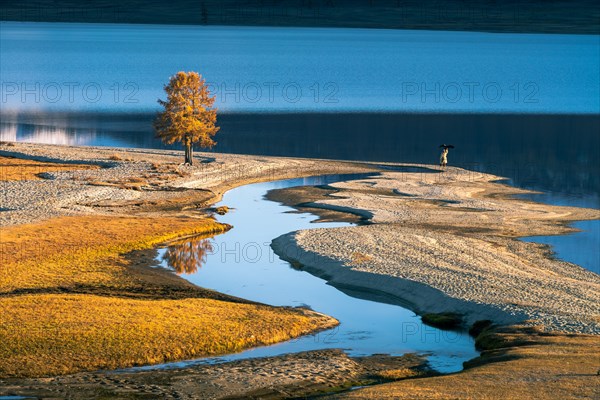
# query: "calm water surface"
[91,67]
[580,248]
[241,263]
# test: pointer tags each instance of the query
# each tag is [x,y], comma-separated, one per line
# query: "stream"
[241,263]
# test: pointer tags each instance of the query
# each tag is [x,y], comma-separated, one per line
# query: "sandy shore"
[447,242]
[293,375]
[139,180]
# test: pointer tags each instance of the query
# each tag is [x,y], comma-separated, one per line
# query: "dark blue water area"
[557,154]
[123,67]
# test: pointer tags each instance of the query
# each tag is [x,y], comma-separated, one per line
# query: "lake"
[522,106]
[121,67]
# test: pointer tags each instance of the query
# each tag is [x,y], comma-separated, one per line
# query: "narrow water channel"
[241,263]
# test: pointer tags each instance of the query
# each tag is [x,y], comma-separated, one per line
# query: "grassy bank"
[91,253]
[73,298]
[53,334]
[77,294]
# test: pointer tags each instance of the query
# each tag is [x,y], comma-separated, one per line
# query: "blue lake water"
[568,247]
[121,67]
[581,248]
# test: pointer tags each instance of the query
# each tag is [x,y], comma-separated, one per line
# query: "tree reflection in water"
[186,256]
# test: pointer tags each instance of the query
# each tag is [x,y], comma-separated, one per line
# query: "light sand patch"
[141,180]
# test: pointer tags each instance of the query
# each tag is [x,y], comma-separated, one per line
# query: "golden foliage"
[187,256]
[188,115]
[222,210]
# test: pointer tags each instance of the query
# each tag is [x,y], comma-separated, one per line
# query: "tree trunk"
[188,151]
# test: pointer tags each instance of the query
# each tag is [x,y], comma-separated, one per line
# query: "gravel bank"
[289,376]
[448,243]
[133,178]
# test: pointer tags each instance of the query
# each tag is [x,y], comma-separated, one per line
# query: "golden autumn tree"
[188,116]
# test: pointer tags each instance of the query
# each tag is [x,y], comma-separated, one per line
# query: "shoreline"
[418,297]
[432,211]
[520,17]
[171,184]
[307,250]
[75,218]
[346,196]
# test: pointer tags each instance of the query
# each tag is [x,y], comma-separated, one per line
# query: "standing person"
[444,155]
[444,158]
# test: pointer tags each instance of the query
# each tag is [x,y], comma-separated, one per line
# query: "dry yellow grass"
[397,374]
[528,365]
[59,334]
[16,169]
[88,251]
[76,295]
